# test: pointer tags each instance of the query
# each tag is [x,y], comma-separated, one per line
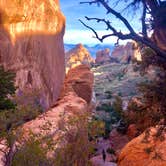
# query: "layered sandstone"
[31,45]
[77,56]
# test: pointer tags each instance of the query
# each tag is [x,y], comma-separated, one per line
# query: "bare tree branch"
[89,2]
[144,27]
[96,34]
[131,35]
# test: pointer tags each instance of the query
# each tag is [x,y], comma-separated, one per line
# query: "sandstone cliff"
[31,44]
[78,55]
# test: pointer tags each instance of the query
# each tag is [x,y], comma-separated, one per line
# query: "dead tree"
[154,7]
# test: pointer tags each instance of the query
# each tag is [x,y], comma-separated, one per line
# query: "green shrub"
[7,89]
[32,153]
[117,106]
[10,119]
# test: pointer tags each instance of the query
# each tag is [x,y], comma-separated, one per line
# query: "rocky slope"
[73,100]
[78,55]
[31,45]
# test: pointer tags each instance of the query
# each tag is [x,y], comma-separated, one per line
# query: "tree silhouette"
[156,22]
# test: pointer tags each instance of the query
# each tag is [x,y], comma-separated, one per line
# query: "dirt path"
[98,161]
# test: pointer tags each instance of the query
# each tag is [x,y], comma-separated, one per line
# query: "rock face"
[80,80]
[31,44]
[148,149]
[78,55]
[103,56]
[125,53]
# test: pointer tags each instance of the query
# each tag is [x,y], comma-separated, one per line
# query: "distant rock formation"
[148,149]
[78,55]
[125,53]
[103,56]
[31,44]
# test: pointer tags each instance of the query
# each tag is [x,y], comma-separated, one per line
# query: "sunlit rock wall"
[31,44]
[77,56]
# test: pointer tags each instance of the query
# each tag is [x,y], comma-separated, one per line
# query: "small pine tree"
[6,88]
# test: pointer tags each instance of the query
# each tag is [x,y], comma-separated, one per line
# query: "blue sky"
[77,33]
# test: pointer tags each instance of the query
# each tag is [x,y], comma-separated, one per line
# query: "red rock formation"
[78,55]
[148,149]
[125,53]
[80,80]
[31,44]
[75,98]
[103,56]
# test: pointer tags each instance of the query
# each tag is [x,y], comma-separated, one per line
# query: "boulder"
[31,45]
[148,149]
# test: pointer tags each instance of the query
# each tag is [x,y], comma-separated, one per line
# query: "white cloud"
[86,37]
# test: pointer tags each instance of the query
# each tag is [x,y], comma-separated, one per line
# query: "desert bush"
[32,153]
[10,119]
[78,140]
[118,107]
[74,146]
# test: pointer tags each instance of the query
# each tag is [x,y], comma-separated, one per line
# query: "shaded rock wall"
[31,44]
